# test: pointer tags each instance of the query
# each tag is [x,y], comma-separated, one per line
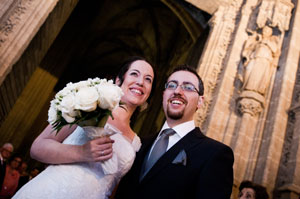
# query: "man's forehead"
[183,76]
[8,147]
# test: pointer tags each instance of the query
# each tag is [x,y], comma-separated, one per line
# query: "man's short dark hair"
[186,67]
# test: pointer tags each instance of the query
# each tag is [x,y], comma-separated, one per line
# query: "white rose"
[86,99]
[69,117]
[64,92]
[96,80]
[109,95]
[70,86]
[67,104]
[81,84]
[52,114]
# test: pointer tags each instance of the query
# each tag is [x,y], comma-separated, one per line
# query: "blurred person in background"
[11,178]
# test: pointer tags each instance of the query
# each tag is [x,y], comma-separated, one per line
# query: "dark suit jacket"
[2,172]
[208,173]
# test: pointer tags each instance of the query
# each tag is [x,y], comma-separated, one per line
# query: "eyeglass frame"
[182,86]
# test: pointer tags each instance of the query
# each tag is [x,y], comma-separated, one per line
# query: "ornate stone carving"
[223,21]
[13,20]
[275,13]
[260,54]
[21,23]
[250,102]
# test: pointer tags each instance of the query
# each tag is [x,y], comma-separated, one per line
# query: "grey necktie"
[159,149]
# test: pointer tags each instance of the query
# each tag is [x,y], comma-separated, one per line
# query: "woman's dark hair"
[260,191]
[125,67]
[186,67]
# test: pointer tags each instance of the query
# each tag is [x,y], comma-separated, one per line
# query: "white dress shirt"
[1,159]
[181,131]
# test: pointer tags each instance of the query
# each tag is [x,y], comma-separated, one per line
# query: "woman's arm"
[48,148]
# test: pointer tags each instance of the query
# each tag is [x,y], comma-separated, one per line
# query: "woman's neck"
[122,120]
[123,114]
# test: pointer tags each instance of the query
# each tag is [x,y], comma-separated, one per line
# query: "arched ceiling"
[95,44]
[99,35]
[208,6]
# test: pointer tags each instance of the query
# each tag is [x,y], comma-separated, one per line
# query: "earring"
[143,106]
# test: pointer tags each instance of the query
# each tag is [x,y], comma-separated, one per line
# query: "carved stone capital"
[250,102]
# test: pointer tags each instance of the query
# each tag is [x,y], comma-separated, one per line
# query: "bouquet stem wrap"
[109,166]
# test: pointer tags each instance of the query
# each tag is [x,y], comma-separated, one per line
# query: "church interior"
[43,46]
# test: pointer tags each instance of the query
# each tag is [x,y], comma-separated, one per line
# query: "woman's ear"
[200,101]
[118,81]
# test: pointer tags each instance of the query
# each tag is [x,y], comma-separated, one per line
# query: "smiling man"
[181,162]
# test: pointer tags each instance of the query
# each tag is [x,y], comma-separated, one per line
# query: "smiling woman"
[137,82]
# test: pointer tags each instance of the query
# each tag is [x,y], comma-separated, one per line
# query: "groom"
[193,166]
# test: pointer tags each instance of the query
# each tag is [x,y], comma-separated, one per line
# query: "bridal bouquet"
[85,103]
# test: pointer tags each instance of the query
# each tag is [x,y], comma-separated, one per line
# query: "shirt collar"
[181,129]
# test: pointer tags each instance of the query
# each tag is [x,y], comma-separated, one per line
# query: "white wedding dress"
[82,180]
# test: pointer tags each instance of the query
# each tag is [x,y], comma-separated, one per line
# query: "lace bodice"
[83,180]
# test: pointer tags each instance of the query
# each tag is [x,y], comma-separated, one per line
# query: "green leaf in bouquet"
[94,118]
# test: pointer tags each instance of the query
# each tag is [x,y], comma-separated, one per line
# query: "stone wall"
[249,69]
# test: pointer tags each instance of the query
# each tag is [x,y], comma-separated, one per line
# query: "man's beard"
[173,115]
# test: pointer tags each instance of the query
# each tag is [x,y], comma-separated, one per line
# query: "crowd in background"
[13,171]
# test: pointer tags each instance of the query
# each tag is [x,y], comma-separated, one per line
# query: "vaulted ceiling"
[99,35]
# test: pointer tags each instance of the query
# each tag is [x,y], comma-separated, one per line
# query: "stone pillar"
[14,128]
[211,64]
[288,181]
[276,14]
[250,105]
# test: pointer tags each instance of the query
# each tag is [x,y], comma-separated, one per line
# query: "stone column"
[250,106]
[288,181]
[14,128]
[211,64]
[278,94]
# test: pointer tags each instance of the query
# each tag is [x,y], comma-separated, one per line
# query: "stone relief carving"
[223,21]
[275,13]
[13,20]
[259,54]
[250,102]
[250,106]
[262,50]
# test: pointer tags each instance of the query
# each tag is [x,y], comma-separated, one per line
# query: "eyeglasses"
[186,86]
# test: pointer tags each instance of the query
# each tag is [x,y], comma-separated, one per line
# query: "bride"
[76,161]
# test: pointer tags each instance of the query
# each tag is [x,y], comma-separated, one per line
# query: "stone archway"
[67,40]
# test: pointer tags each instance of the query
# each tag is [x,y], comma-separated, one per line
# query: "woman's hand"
[99,149]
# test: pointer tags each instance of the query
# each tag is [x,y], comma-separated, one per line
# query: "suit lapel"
[187,142]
